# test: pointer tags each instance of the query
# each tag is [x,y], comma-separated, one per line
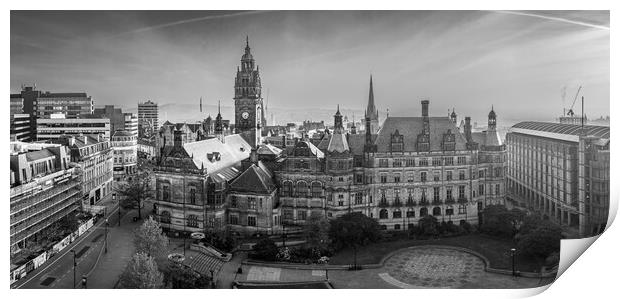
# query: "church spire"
[371,110]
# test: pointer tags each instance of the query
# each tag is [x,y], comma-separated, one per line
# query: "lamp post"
[84,280]
[74,264]
[512,254]
[106,234]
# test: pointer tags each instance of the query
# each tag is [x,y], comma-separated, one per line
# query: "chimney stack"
[425,108]
[468,128]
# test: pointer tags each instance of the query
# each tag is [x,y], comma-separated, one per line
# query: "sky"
[527,65]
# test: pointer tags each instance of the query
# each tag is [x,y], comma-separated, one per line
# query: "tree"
[150,239]
[499,221]
[265,249]
[428,226]
[182,277]
[135,192]
[317,232]
[541,241]
[141,273]
[353,230]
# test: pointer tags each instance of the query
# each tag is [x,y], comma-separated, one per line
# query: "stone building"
[189,133]
[561,171]
[249,114]
[125,152]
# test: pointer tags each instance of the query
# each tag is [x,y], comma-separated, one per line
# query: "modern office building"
[148,115]
[561,171]
[58,125]
[20,128]
[94,157]
[118,120]
[44,188]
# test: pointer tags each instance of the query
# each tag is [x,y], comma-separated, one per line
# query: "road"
[102,269]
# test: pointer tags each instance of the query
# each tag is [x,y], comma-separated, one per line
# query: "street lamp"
[512,254]
[106,235]
[74,264]
[84,281]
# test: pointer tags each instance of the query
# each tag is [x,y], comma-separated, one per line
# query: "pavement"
[102,269]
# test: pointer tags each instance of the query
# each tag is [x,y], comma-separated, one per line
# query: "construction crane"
[570,111]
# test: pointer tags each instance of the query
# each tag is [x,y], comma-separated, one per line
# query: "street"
[101,269]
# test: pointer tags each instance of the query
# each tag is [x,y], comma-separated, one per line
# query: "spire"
[247,41]
[371,110]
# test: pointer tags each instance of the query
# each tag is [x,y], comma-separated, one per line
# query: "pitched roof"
[268,149]
[338,143]
[255,179]
[410,127]
[324,143]
[40,154]
[206,152]
[356,143]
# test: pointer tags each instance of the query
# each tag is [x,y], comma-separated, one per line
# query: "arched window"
[287,188]
[383,214]
[317,189]
[410,213]
[164,217]
[397,214]
[192,196]
[192,221]
[436,211]
[302,189]
[423,212]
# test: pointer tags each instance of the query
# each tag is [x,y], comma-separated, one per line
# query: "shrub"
[265,249]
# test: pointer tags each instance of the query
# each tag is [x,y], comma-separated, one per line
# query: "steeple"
[219,126]
[492,119]
[453,116]
[371,110]
[338,127]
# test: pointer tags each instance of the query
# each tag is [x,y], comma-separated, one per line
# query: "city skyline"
[493,58]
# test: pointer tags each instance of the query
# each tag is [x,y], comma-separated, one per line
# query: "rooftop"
[566,132]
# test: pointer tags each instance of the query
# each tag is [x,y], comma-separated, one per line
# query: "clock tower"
[249,116]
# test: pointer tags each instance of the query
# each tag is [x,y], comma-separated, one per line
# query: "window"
[449,193]
[358,198]
[397,214]
[251,220]
[359,179]
[233,202]
[287,214]
[436,176]
[301,215]
[166,193]
[383,214]
[397,178]
[383,178]
[233,219]
[252,203]
[497,189]
[383,227]
[436,161]
[450,211]
[461,175]
[423,212]
[435,193]
[396,226]
[340,203]
[423,162]
[192,221]
[436,211]
[410,213]
[480,173]
[423,176]
[410,177]
[287,188]
[302,189]
[480,190]
[462,160]
[449,175]
[449,160]
[383,162]
[462,192]
[164,217]
[192,196]
[410,162]
[340,179]
[397,162]
[462,209]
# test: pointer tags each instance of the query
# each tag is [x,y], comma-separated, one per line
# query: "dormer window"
[397,144]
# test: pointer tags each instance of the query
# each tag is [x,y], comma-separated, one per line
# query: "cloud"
[564,20]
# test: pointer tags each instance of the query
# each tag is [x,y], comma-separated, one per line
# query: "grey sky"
[518,62]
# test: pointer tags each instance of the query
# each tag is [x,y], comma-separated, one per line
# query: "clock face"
[245,115]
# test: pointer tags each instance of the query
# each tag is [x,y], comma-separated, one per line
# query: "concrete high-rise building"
[148,116]
[55,127]
[21,127]
[118,119]
[561,171]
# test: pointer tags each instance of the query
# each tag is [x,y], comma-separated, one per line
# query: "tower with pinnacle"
[249,114]
[371,111]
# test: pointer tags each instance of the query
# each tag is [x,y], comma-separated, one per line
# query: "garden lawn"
[496,250]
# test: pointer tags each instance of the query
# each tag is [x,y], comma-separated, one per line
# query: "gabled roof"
[357,141]
[324,143]
[410,127]
[255,179]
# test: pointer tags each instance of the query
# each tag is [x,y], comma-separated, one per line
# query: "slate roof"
[255,179]
[357,142]
[566,129]
[324,143]
[231,152]
[338,143]
[410,127]
[38,155]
